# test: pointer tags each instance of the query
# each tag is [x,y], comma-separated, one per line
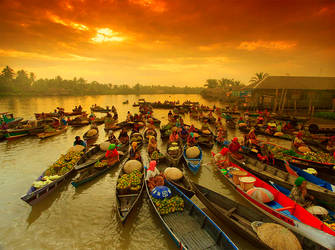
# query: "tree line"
[25,83]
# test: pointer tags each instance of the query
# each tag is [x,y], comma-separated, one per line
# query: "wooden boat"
[21,132]
[112,126]
[101,109]
[206,140]
[94,137]
[287,212]
[125,203]
[89,172]
[98,120]
[125,102]
[325,170]
[193,164]
[49,134]
[210,120]
[139,139]
[174,158]
[79,122]
[192,228]
[152,132]
[269,173]
[239,217]
[34,195]
[157,122]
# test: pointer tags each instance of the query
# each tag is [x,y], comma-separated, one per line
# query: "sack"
[173,174]
[77,148]
[192,152]
[132,165]
[104,146]
[92,132]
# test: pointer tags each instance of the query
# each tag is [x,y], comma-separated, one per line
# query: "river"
[83,218]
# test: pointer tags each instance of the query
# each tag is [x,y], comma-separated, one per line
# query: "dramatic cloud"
[168,41]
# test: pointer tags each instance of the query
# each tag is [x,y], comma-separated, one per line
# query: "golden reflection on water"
[82,218]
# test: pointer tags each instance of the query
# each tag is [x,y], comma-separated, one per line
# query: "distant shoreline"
[88,94]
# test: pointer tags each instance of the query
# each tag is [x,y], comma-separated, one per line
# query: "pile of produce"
[173,174]
[156,181]
[63,165]
[136,137]
[169,205]
[130,182]
[92,132]
[156,155]
[100,164]
[319,157]
[132,165]
[192,152]
[173,149]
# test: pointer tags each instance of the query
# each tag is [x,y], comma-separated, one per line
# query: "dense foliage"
[24,83]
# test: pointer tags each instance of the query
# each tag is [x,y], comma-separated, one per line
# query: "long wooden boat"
[269,173]
[174,158]
[94,137]
[90,173]
[191,228]
[9,119]
[34,195]
[193,164]
[49,134]
[287,212]
[21,132]
[145,134]
[125,203]
[133,137]
[101,109]
[240,217]
[206,140]
[78,122]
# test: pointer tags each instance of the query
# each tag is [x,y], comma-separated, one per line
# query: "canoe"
[100,109]
[125,102]
[90,173]
[15,133]
[153,133]
[206,140]
[138,139]
[34,195]
[49,134]
[287,212]
[125,203]
[210,120]
[239,217]
[174,158]
[193,164]
[325,170]
[79,122]
[269,173]
[117,126]
[191,228]
[94,137]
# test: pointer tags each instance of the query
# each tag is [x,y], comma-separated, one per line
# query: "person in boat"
[298,142]
[222,134]
[331,144]
[252,137]
[133,153]
[218,123]
[128,119]
[191,141]
[112,155]
[123,136]
[260,120]
[113,109]
[80,108]
[151,124]
[234,147]
[183,133]
[174,137]
[269,130]
[63,121]
[112,137]
[152,145]
[116,116]
[299,193]
[152,171]
[78,141]
[288,126]
[222,157]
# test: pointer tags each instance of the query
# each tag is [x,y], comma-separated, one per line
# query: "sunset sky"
[168,41]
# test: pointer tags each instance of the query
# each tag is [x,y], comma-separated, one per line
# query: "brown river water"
[84,218]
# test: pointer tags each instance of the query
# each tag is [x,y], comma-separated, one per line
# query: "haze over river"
[83,218]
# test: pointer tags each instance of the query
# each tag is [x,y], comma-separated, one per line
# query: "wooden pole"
[280,101]
[275,102]
[284,100]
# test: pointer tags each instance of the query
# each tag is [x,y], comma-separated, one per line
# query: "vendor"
[298,142]
[123,136]
[191,140]
[299,193]
[174,137]
[331,144]
[111,137]
[152,145]
[222,134]
[133,153]
[112,155]
[252,136]
[78,141]
[234,146]
[152,171]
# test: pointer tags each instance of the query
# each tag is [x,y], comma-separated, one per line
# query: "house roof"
[295,82]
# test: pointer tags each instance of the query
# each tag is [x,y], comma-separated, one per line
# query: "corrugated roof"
[296,82]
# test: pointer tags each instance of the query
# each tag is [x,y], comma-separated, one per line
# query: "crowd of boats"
[275,181]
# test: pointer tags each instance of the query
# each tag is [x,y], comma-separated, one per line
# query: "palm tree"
[258,77]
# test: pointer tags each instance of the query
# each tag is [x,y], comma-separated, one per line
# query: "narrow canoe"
[147,132]
[269,173]
[94,137]
[239,217]
[193,164]
[90,172]
[34,195]
[15,133]
[138,137]
[287,212]
[125,203]
[100,109]
[49,134]
[192,228]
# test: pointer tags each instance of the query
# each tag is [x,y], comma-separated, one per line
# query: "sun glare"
[107,35]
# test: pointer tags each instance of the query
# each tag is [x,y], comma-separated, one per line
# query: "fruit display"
[169,205]
[100,164]
[63,165]
[153,182]
[136,137]
[130,182]
[156,155]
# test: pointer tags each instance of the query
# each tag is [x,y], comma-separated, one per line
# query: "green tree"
[22,81]
[258,77]
[6,79]
[211,83]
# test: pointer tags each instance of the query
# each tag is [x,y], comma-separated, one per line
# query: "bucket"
[247,182]
[237,174]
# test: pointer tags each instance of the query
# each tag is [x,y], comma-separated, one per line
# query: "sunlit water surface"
[83,218]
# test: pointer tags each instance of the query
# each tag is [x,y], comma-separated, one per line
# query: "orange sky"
[168,41]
